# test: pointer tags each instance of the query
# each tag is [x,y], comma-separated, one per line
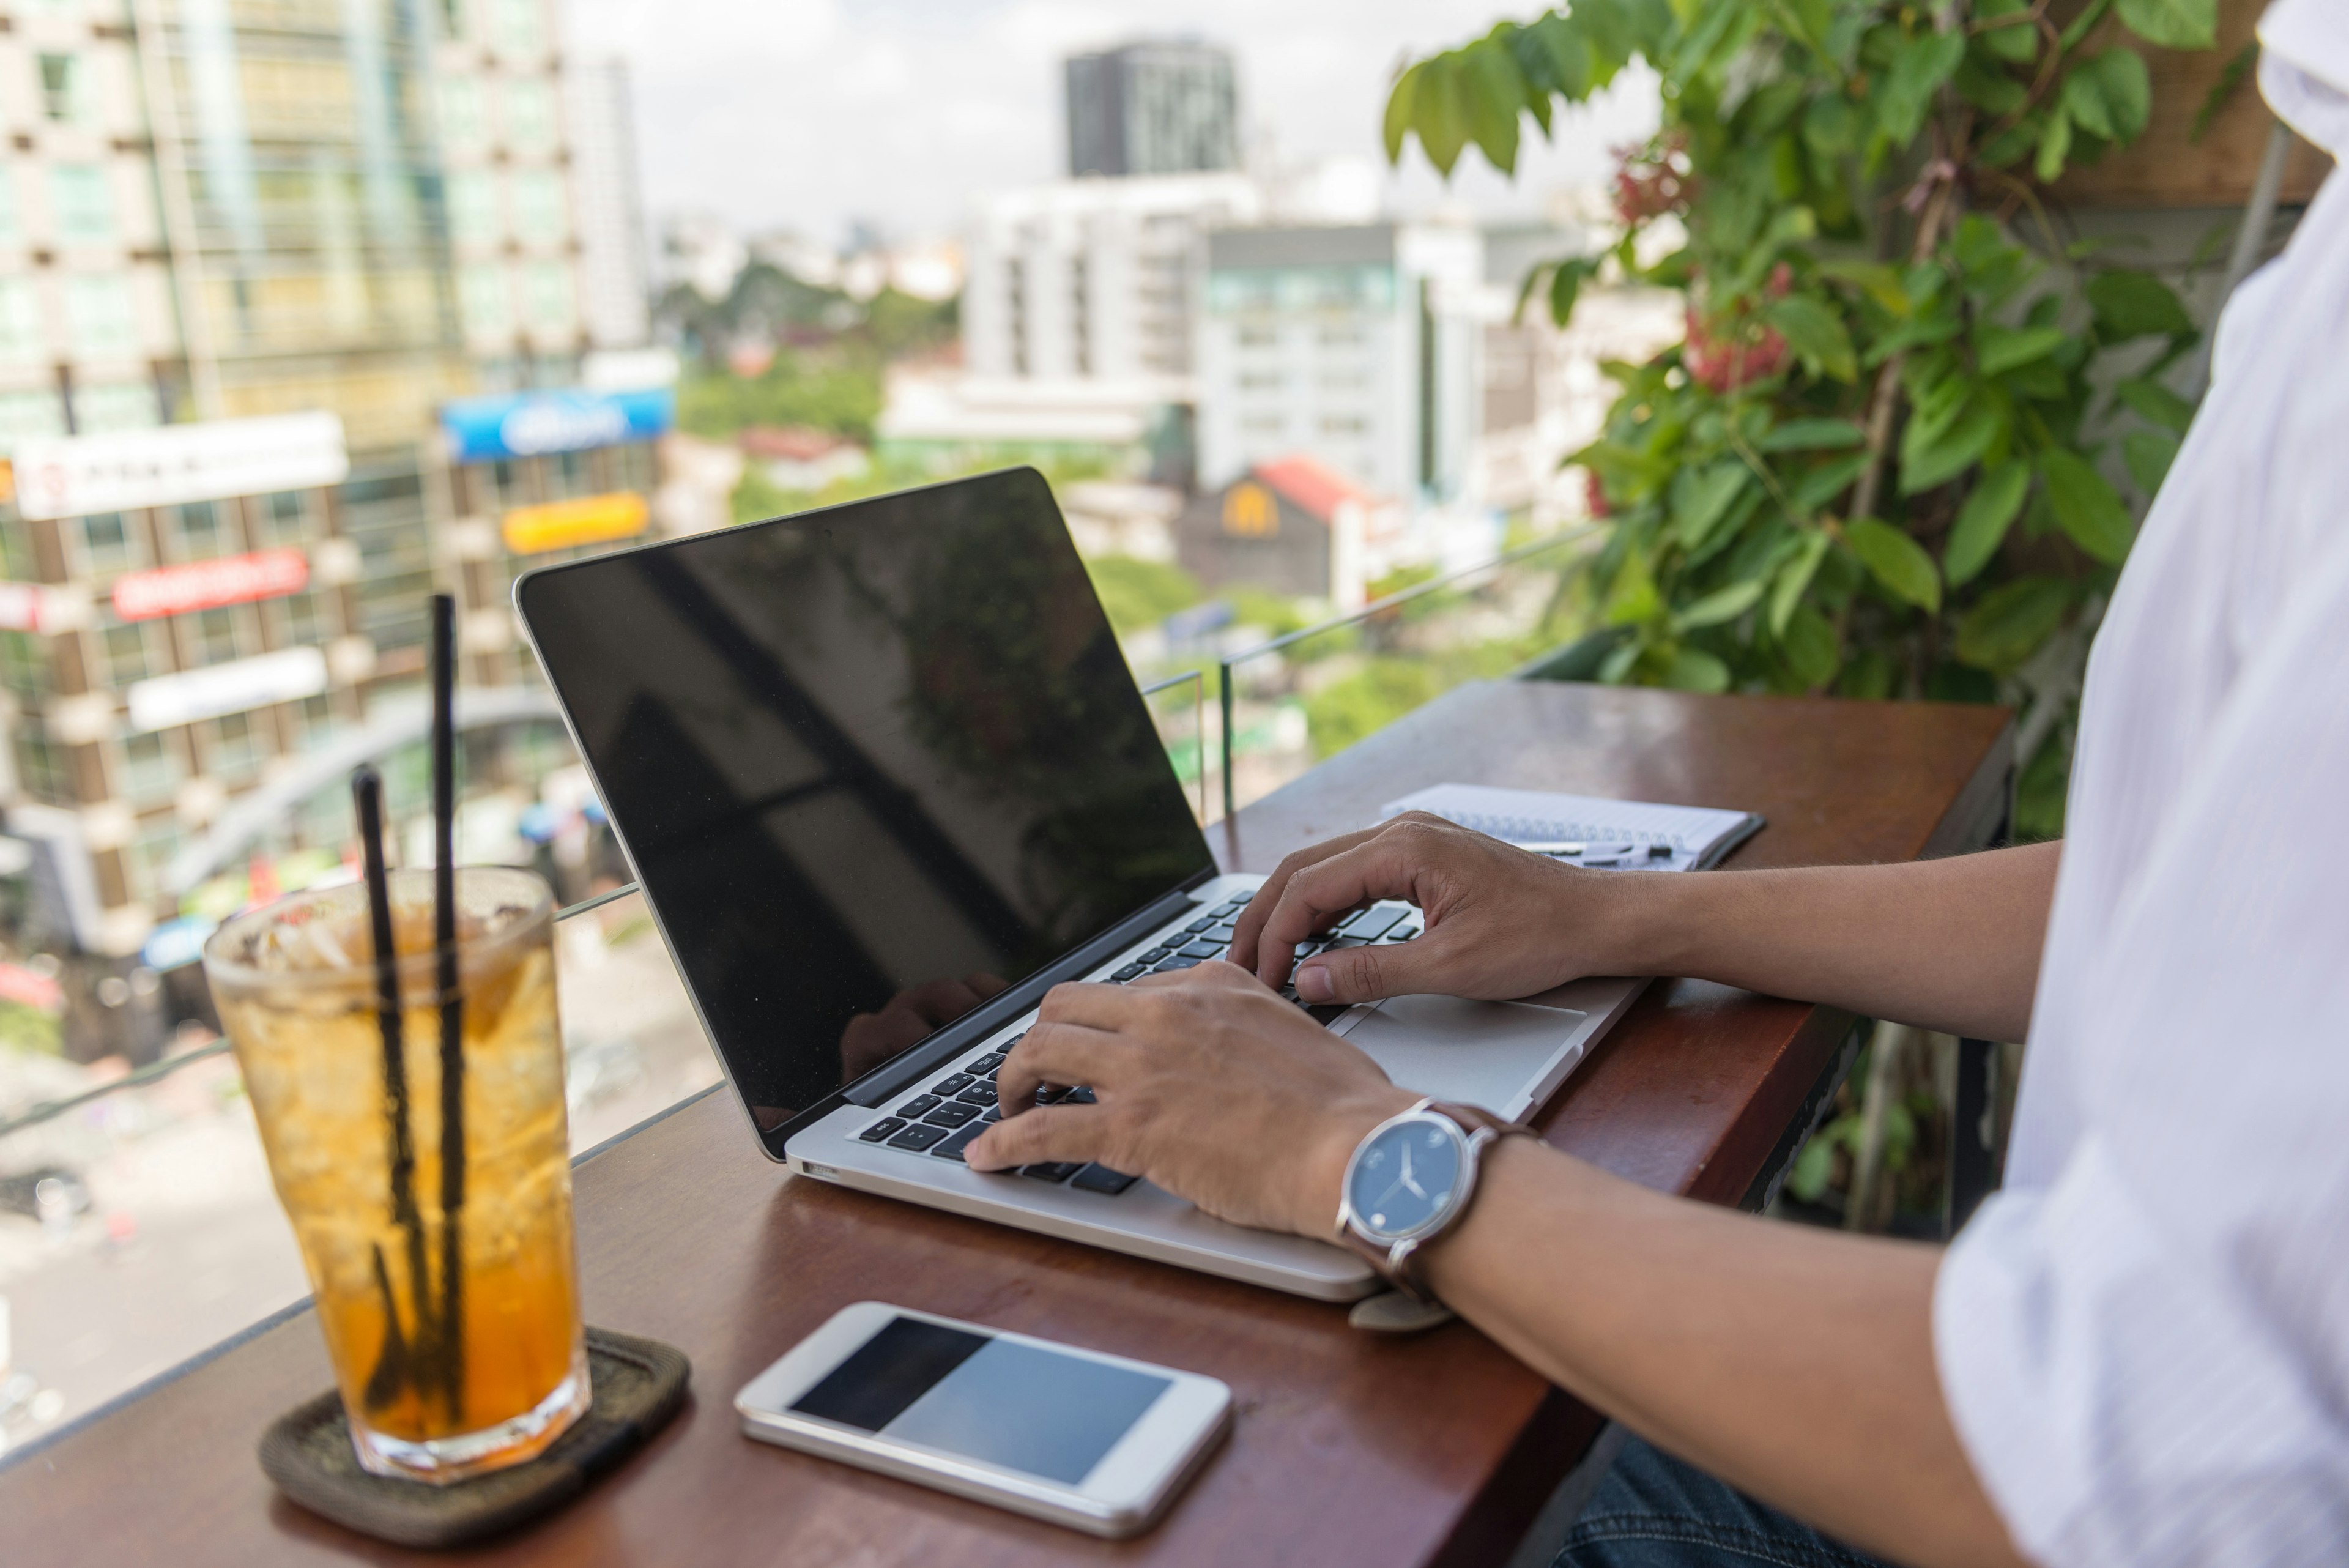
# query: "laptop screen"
[873,766]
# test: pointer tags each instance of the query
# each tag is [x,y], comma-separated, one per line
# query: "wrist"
[1645,923]
[1331,1147]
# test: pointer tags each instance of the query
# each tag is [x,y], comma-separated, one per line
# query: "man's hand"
[871,1038]
[1205,1082]
[1500,921]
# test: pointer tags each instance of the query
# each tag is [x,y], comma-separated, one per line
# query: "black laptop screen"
[873,764]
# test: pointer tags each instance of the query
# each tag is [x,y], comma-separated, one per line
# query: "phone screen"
[994,1400]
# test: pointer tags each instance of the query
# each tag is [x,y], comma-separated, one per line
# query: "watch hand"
[1407,1180]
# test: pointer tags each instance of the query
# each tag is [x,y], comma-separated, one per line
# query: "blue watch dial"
[1402,1179]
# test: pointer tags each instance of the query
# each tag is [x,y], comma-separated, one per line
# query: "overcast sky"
[809,114]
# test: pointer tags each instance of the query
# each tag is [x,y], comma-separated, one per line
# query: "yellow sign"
[590,520]
[7,481]
[1250,512]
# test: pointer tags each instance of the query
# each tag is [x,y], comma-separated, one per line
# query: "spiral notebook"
[1619,835]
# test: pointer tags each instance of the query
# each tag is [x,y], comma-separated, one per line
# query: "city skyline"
[903,113]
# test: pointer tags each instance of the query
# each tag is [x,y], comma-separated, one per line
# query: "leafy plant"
[1901,447]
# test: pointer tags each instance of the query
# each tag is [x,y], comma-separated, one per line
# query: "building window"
[296,620]
[1344,424]
[481,291]
[41,771]
[464,117]
[27,414]
[127,655]
[547,287]
[22,340]
[115,406]
[473,215]
[1264,424]
[12,227]
[233,748]
[83,206]
[151,770]
[1259,337]
[201,535]
[1261,381]
[108,544]
[541,214]
[1345,380]
[314,722]
[99,312]
[61,94]
[529,115]
[214,633]
[1344,338]
[518,26]
[146,859]
[282,518]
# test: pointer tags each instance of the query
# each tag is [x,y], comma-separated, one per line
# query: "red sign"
[21,606]
[208,585]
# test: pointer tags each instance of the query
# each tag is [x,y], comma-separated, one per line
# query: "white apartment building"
[1097,279]
[615,284]
[1360,345]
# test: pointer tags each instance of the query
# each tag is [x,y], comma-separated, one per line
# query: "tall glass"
[439,1246]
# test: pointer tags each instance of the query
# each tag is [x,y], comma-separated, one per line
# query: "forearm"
[1950,945]
[1795,1363]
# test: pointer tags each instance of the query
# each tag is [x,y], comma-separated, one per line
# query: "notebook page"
[1529,817]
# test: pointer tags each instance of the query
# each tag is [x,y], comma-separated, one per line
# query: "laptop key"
[1206,924]
[952,1085]
[1101,1179]
[979,1095]
[1171,965]
[1048,1171]
[952,1114]
[1129,971]
[1204,948]
[886,1127]
[917,1107]
[992,1114]
[1153,955]
[953,1146]
[985,1064]
[1374,922]
[1079,1096]
[919,1137]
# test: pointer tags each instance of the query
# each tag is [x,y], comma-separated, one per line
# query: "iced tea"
[449,1299]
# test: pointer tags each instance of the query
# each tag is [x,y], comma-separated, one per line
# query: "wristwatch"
[1408,1182]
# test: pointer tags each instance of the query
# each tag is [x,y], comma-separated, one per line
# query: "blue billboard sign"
[529,424]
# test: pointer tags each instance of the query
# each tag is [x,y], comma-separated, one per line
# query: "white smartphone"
[1094,1441]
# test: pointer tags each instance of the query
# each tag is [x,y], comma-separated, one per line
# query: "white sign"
[74,476]
[182,699]
[629,370]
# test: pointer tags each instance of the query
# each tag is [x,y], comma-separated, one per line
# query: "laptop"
[885,779]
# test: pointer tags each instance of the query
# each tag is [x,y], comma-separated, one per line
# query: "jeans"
[1653,1512]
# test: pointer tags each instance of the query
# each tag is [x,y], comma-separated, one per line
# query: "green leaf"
[1721,606]
[1793,578]
[1919,68]
[1894,560]
[1496,93]
[2009,622]
[1812,435]
[1998,350]
[1809,645]
[1813,331]
[1923,467]
[1879,281]
[1399,105]
[2136,305]
[2083,98]
[1701,498]
[1694,670]
[1566,285]
[1990,89]
[1633,596]
[1814,1168]
[1825,482]
[2148,455]
[1831,126]
[2222,91]
[2054,147]
[1562,38]
[2172,24]
[1439,112]
[2155,403]
[2087,508]
[1983,520]
[1619,664]
[2017,41]
[2127,92]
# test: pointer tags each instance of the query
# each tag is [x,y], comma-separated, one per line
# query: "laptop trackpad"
[1479,1053]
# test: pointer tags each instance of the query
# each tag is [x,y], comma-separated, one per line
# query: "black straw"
[452,998]
[366,796]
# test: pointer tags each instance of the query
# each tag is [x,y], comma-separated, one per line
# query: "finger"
[985,985]
[1073,1132]
[1251,925]
[1060,1054]
[1380,970]
[1385,867]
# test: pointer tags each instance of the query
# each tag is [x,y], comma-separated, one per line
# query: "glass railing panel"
[137,1221]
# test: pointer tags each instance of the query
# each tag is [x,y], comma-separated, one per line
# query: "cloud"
[807,114]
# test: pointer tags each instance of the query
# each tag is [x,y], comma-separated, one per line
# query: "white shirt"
[2144,1339]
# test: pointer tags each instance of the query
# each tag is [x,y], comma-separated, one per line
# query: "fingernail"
[1313,982]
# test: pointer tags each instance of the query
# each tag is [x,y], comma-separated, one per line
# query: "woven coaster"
[638,1384]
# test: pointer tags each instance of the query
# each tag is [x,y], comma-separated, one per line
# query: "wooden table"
[1349,1449]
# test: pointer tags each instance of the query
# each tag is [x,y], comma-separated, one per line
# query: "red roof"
[1311,486]
[795,443]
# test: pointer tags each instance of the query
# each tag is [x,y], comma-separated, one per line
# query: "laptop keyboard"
[942,1120]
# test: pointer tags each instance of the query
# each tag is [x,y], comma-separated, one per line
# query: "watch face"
[1402,1180]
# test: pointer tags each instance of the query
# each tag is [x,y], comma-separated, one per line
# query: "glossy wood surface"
[1349,1449]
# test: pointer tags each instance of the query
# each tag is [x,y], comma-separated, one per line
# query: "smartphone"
[1093,1441]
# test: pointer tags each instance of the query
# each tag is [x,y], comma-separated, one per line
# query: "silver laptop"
[886,780]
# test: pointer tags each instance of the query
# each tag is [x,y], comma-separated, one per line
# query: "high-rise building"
[1359,346]
[255,273]
[1152,108]
[616,286]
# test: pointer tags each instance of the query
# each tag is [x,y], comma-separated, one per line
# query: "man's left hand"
[1207,1082]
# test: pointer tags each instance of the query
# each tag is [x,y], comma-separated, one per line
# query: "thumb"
[1370,973]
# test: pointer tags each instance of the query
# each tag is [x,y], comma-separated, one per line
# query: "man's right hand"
[1500,921]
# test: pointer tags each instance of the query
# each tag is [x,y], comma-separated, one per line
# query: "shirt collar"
[2304,68]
